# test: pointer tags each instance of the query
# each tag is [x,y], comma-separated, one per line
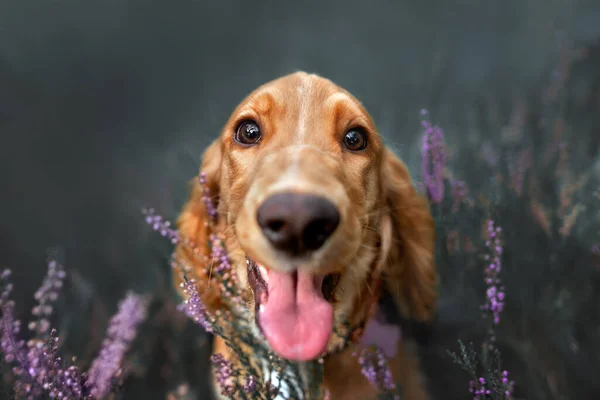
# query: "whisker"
[366,246]
[210,270]
[226,230]
[372,228]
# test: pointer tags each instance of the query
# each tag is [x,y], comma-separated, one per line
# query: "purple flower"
[121,332]
[433,161]
[208,203]
[224,373]
[6,285]
[250,385]
[59,382]
[375,368]
[495,292]
[37,367]
[480,391]
[15,353]
[493,307]
[159,224]
[508,385]
[219,255]
[193,306]
[222,267]
[46,295]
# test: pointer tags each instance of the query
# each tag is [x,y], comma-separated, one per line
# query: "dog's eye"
[355,140]
[248,133]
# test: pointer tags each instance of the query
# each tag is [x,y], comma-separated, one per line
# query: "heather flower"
[495,292]
[15,353]
[206,199]
[221,266]
[29,363]
[480,387]
[375,368]
[159,224]
[250,385]
[508,385]
[193,306]
[6,285]
[166,229]
[219,255]
[225,374]
[121,332]
[433,160]
[46,295]
[37,366]
[495,384]
[59,382]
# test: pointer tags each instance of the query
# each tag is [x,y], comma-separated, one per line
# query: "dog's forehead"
[301,92]
[300,85]
[303,108]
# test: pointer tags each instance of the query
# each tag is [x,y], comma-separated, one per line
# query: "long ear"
[410,275]
[194,222]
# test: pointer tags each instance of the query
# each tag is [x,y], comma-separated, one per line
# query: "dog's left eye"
[355,140]
[248,133]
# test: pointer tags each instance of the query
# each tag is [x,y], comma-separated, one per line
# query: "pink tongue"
[296,320]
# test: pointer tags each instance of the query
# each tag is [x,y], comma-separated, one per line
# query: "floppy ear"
[194,222]
[410,275]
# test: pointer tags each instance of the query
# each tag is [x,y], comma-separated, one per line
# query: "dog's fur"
[386,233]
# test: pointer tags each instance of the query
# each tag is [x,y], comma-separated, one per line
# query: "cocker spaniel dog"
[329,217]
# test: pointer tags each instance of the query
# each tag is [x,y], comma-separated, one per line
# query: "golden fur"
[386,232]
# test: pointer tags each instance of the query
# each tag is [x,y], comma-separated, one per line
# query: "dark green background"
[106,106]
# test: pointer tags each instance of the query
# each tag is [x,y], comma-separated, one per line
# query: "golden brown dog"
[305,188]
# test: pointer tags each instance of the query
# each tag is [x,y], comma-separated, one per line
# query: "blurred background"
[106,107]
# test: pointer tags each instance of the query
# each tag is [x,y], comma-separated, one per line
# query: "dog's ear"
[195,217]
[194,222]
[410,274]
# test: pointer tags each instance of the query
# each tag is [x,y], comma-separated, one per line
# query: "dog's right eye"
[248,133]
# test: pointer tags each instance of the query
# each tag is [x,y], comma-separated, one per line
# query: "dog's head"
[306,189]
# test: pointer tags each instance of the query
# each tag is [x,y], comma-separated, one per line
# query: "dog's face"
[308,193]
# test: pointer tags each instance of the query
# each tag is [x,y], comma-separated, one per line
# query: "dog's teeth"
[261,308]
[264,273]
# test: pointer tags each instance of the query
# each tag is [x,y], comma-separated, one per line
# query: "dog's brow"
[262,100]
[304,90]
[339,97]
[342,101]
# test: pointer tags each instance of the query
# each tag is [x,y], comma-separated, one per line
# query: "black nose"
[297,223]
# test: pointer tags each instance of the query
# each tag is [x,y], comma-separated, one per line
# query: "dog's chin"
[293,310]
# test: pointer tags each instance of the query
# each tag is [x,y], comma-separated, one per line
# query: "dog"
[306,189]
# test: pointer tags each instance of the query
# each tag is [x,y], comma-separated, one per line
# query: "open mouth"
[293,310]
